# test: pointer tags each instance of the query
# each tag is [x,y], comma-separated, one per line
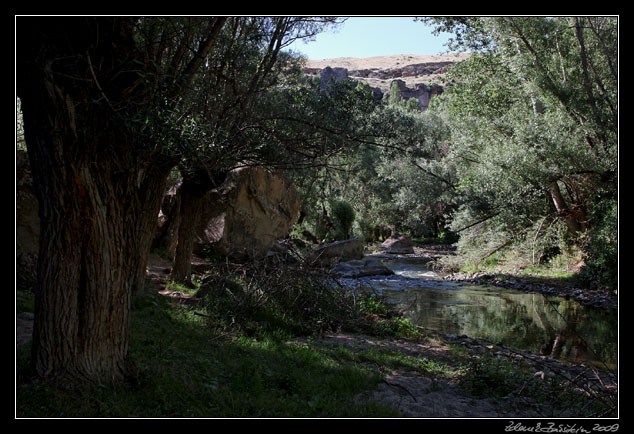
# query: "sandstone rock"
[412,72]
[360,268]
[330,254]
[248,213]
[398,244]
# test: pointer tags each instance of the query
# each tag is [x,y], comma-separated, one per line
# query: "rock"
[27,224]
[360,268]
[398,244]
[329,75]
[281,253]
[27,230]
[246,216]
[339,251]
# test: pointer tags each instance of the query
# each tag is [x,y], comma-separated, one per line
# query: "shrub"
[343,215]
[600,248]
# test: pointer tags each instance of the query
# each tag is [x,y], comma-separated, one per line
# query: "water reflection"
[550,326]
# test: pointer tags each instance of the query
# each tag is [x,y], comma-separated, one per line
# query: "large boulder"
[360,268]
[329,254]
[398,244]
[251,210]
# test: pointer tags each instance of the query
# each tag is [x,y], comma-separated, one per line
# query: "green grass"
[185,369]
[188,365]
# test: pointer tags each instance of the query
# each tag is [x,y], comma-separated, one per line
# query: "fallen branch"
[402,387]
[497,249]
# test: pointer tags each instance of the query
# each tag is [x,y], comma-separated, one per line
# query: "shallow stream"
[546,325]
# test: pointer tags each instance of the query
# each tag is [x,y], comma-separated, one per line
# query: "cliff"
[418,76]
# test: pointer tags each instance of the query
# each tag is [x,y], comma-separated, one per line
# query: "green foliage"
[412,104]
[285,301]
[381,319]
[600,248]
[531,114]
[396,98]
[343,215]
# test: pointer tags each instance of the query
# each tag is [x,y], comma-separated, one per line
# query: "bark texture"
[98,195]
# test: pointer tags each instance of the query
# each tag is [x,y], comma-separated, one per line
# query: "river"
[552,326]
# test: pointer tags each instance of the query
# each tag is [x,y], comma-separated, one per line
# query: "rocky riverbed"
[601,299]
[589,297]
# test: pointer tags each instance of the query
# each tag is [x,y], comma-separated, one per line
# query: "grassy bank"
[231,355]
[184,369]
[250,347]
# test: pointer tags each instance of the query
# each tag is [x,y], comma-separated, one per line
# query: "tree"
[265,117]
[108,111]
[531,138]
[396,98]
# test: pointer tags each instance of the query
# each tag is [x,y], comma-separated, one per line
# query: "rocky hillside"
[419,76]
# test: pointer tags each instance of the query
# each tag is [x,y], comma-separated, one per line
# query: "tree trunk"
[98,194]
[570,216]
[191,201]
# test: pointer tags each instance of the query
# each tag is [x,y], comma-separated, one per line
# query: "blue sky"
[374,36]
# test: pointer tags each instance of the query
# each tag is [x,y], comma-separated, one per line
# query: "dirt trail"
[416,395]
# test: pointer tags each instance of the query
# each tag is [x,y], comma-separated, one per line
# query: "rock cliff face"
[419,77]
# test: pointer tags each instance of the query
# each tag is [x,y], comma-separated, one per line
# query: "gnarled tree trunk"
[98,193]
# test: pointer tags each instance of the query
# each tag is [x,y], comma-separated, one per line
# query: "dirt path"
[419,396]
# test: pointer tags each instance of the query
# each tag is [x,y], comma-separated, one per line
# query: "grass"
[186,368]
[516,388]
[561,269]
[250,364]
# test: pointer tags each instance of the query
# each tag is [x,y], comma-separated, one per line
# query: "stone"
[398,244]
[244,218]
[332,253]
[360,268]
[330,75]
[27,230]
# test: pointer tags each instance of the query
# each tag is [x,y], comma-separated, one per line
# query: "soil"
[418,396]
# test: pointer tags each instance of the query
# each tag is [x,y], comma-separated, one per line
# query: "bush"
[283,300]
[600,248]
[343,215]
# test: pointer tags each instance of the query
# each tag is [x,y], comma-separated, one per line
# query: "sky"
[374,36]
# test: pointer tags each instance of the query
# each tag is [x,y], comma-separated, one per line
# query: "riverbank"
[509,278]
[216,373]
